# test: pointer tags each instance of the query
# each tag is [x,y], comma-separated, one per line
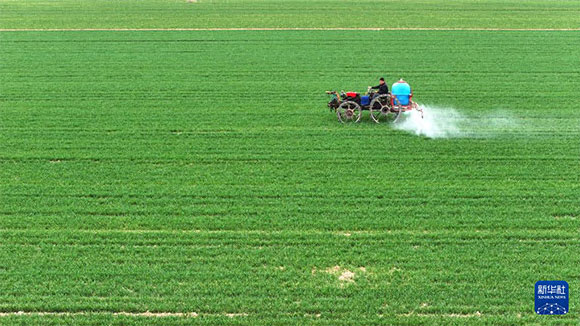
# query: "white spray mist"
[435,123]
[441,122]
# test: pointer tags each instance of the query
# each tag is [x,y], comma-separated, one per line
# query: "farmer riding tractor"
[349,106]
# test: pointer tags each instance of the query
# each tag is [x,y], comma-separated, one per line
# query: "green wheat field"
[175,177]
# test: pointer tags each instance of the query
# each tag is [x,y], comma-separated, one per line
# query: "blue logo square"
[552,297]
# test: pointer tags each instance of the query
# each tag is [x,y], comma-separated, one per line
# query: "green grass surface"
[201,172]
[289,13]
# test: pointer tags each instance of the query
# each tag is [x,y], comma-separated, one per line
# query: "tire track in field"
[285,29]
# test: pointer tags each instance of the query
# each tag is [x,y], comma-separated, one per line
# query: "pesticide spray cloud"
[435,123]
[441,122]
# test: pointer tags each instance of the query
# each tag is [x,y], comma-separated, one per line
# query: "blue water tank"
[402,91]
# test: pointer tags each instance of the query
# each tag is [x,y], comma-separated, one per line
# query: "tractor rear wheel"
[380,107]
[396,110]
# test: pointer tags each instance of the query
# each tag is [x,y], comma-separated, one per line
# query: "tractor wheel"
[348,111]
[380,107]
[396,110]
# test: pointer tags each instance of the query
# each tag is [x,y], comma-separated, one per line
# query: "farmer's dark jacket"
[383,89]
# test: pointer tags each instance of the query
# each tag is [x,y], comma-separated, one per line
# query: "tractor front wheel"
[348,111]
